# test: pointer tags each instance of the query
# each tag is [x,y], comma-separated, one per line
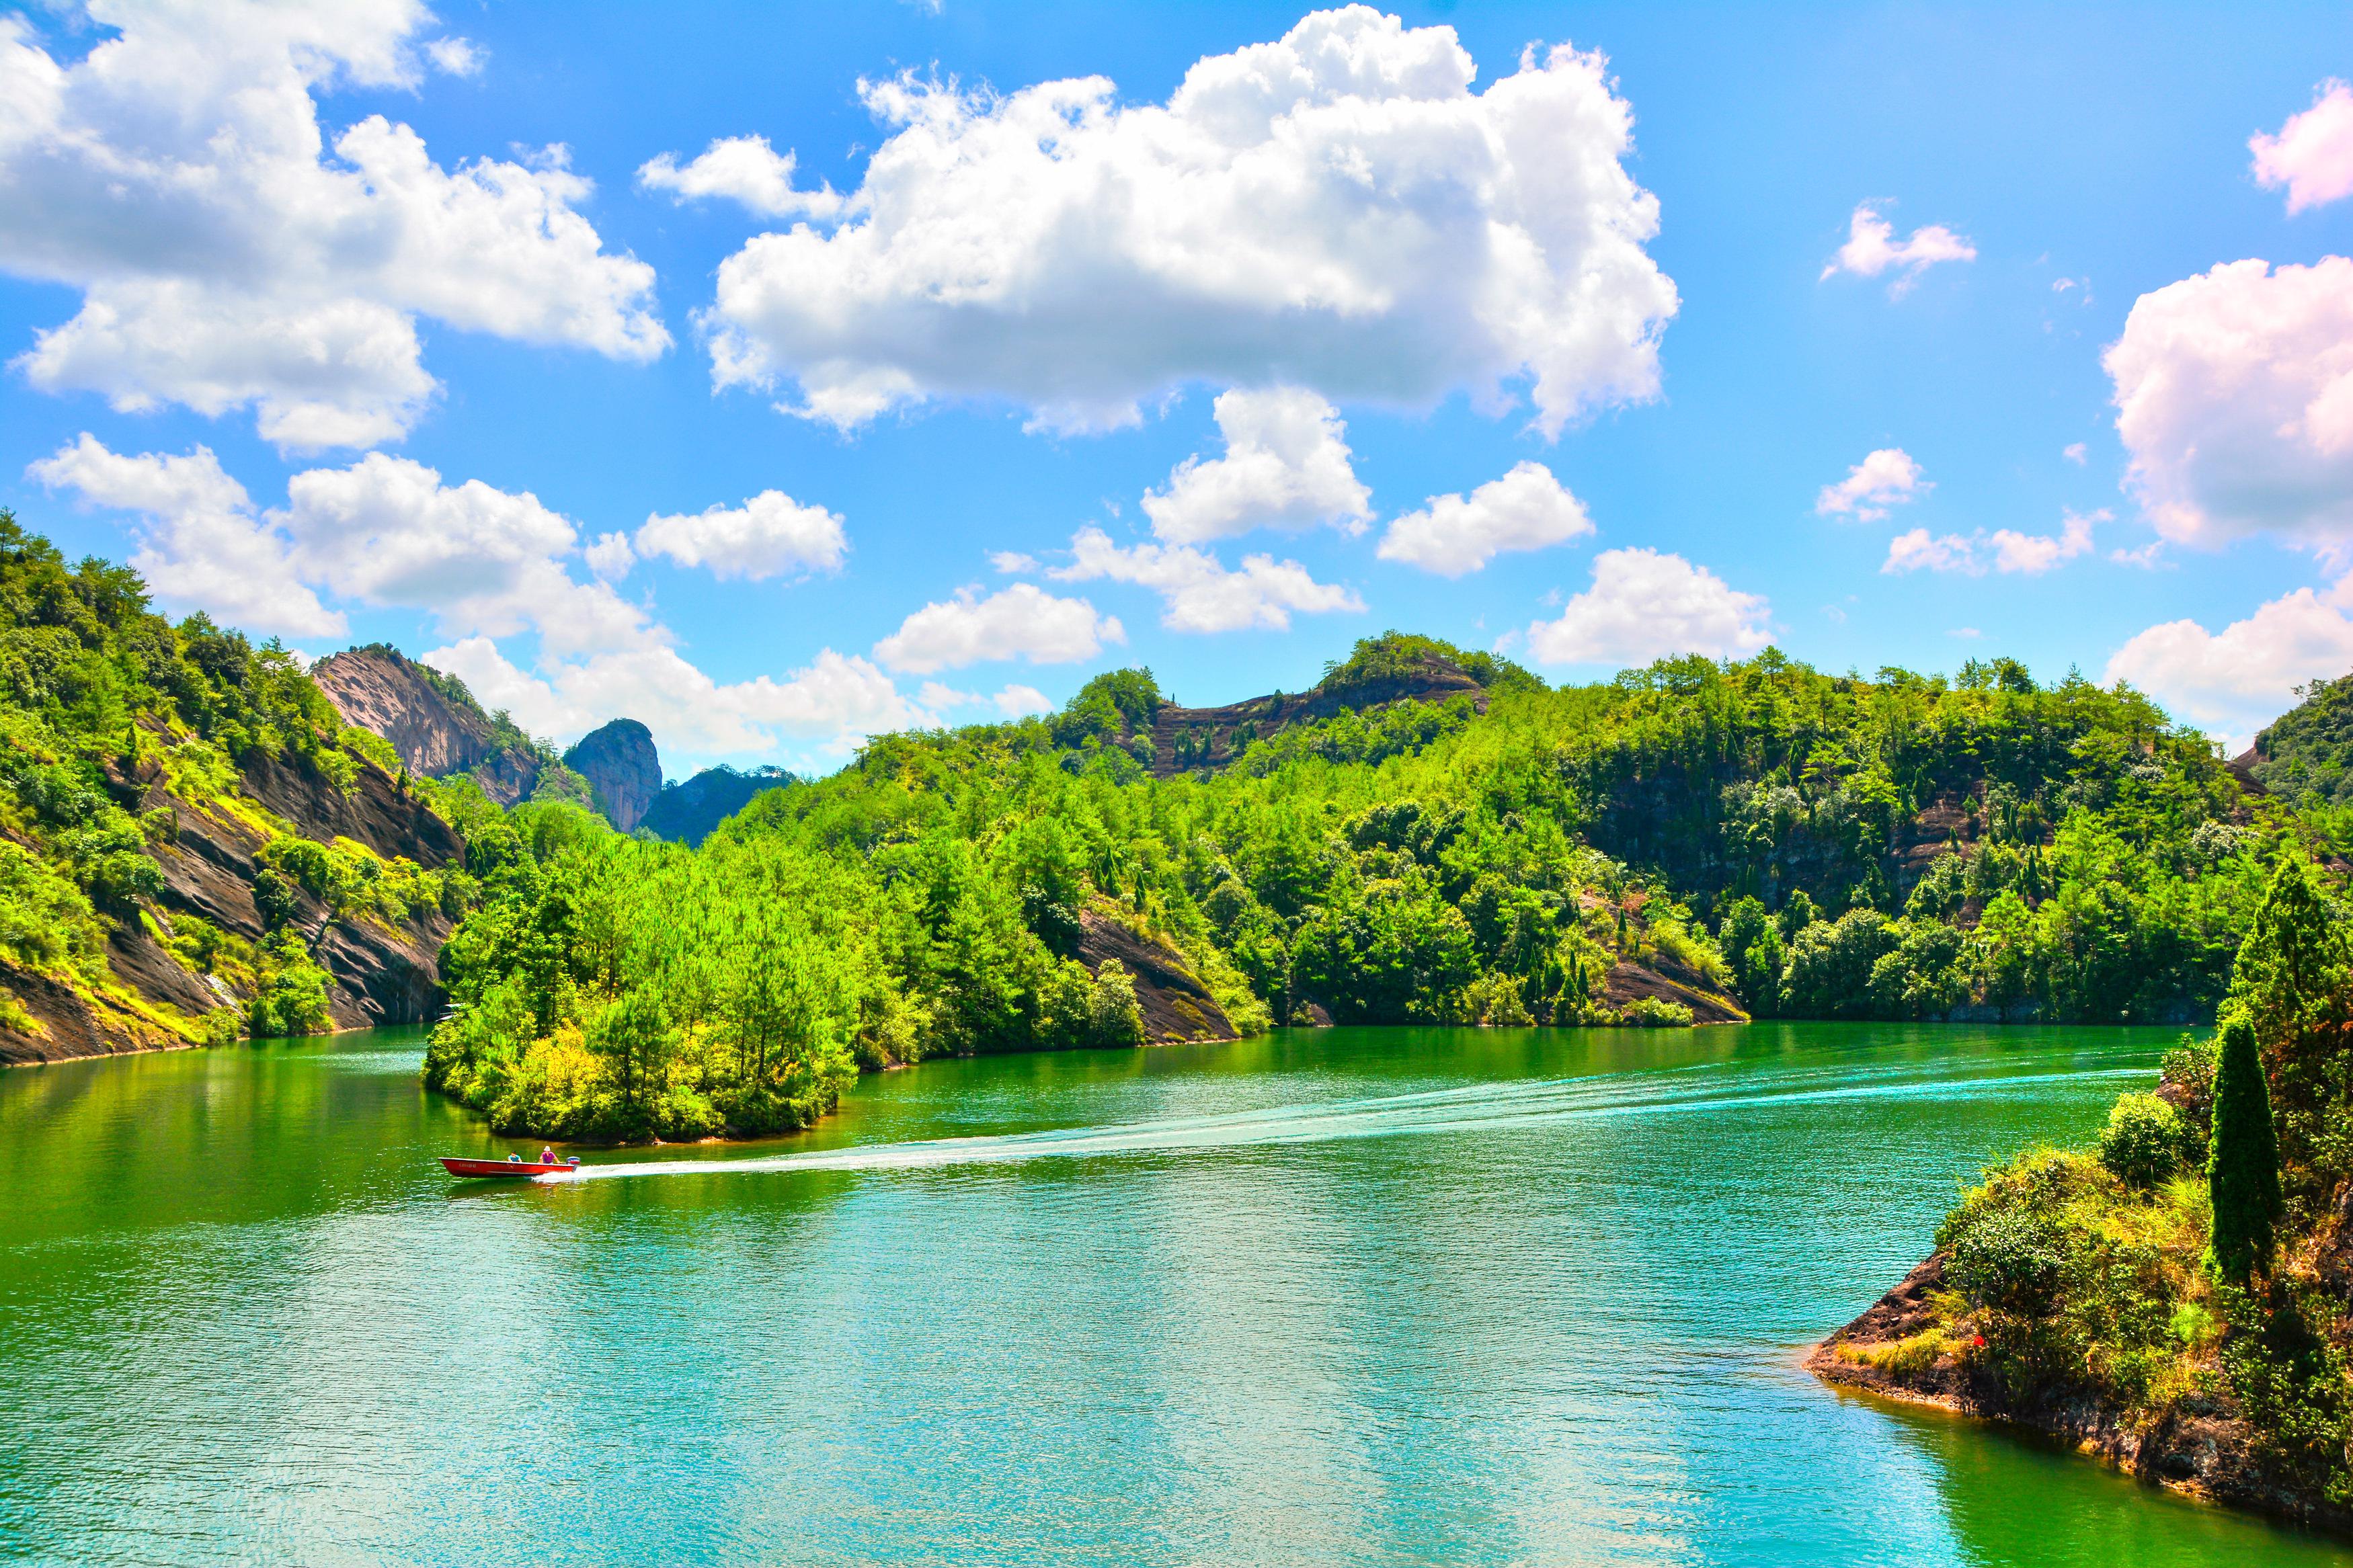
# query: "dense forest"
[1814,845]
[105,705]
[1430,835]
[2305,756]
[2177,1296]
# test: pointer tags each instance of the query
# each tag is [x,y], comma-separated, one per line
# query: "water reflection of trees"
[2012,1495]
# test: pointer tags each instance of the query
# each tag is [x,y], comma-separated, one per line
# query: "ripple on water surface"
[1335,1297]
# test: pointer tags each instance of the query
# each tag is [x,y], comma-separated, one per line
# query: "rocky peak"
[431,720]
[620,763]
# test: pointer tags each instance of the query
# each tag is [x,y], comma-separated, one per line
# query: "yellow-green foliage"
[292,995]
[373,747]
[1902,1358]
[2078,1280]
[1652,1013]
[352,880]
[46,921]
[95,689]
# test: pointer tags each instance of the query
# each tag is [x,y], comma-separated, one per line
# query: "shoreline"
[2204,1454]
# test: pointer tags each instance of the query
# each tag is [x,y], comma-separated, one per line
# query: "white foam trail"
[1472,1108]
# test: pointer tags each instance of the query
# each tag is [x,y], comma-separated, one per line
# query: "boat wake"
[1712,1087]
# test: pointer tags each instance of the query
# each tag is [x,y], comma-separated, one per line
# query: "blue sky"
[235,355]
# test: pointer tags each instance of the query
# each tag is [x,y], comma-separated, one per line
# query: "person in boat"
[546,1155]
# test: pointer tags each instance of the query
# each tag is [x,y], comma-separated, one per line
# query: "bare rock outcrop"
[430,718]
[620,763]
[1177,1005]
[1189,740]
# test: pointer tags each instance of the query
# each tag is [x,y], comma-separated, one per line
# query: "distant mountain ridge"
[1189,740]
[685,813]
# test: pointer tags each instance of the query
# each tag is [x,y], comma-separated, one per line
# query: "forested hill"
[2306,755]
[194,845]
[1677,845]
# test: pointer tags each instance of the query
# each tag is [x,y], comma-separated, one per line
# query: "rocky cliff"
[431,720]
[381,970]
[1177,1008]
[1203,739]
[622,768]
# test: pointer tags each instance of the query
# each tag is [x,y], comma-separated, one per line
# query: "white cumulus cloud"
[2234,399]
[488,565]
[2234,681]
[610,557]
[1198,592]
[1528,509]
[1884,479]
[2004,550]
[200,545]
[1645,605]
[1919,551]
[767,536]
[1871,249]
[1023,621]
[459,57]
[833,702]
[227,257]
[1336,210]
[2313,154]
[1015,702]
[1011,701]
[1286,466]
[745,170]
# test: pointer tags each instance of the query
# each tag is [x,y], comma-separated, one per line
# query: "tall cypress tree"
[2242,1163]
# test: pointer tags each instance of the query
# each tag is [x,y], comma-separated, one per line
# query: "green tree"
[1114,1015]
[273,897]
[1830,964]
[2143,1140]
[632,1037]
[2242,1171]
[1752,945]
[2290,983]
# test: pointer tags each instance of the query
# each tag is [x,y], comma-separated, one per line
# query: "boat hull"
[458,1167]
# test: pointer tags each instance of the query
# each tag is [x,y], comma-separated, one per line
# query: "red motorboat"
[513,1166]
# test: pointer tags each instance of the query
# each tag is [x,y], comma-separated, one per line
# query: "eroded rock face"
[1206,739]
[1177,1005]
[620,763]
[381,973]
[380,689]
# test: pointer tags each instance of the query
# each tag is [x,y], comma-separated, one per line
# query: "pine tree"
[2243,1164]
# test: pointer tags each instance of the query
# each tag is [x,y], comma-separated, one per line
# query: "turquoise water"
[1334,1297]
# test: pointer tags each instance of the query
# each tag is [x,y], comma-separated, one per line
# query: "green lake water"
[1334,1297]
